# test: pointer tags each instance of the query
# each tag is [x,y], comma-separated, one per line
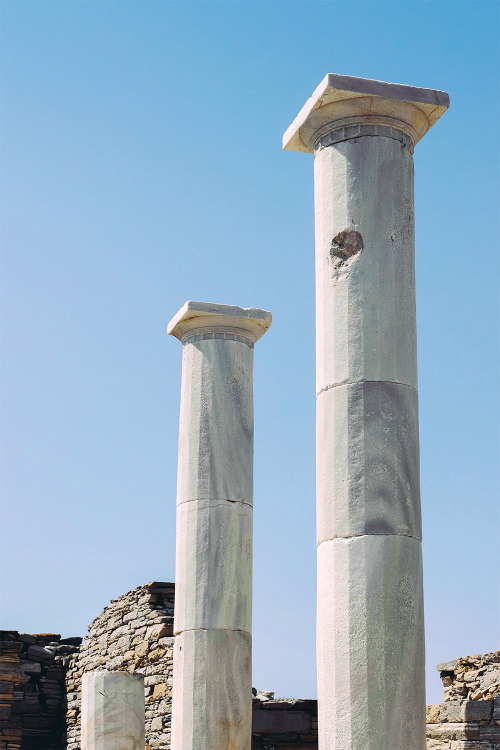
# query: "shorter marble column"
[212,692]
[112,711]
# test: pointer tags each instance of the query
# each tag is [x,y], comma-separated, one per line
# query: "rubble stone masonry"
[33,689]
[134,634]
[40,685]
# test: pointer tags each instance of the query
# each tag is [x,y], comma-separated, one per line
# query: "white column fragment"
[112,711]
[213,597]
[370,627]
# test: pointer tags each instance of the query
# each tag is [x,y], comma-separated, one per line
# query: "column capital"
[221,321]
[349,105]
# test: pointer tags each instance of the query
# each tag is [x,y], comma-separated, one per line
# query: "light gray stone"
[452,731]
[370,618]
[113,716]
[368,461]
[194,314]
[216,421]
[447,666]
[212,697]
[341,100]
[280,721]
[213,566]
[370,640]
[365,304]
[212,654]
[476,710]
[451,712]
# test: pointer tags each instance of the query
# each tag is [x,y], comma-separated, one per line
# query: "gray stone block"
[280,721]
[113,716]
[213,566]
[39,653]
[476,710]
[216,421]
[368,461]
[365,305]
[451,711]
[31,667]
[447,666]
[491,732]
[496,709]
[212,671]
[370,643]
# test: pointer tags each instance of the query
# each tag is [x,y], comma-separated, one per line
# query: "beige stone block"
[452,712]
[453,731]
[158,631]
[141,650]
[159,691]
[156,654]
[432,714]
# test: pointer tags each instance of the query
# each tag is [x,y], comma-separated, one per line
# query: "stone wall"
[134,634]
[33,691]
[469,717]
[284,724]
[40,685]
[464,725]
[471,677]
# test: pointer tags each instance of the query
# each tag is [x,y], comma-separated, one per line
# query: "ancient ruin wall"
[471,677]
[134,634]
[464,725]
[40,679]
[32,690]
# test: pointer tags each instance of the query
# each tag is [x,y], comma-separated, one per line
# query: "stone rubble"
[32,689]
[471,677]
[133,634]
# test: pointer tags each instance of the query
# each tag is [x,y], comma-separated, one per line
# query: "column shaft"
[368,505]
[213,603]
[370,626]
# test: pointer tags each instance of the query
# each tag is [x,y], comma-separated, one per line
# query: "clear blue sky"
[142,166]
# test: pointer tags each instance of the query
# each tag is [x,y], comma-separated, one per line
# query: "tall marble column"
[370,627]
[112,711]
[213,579]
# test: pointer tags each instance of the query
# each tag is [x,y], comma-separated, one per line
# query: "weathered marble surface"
[216,421]
[370,621]
[213,605]
[253,320]
[212,699]
[213,566]
[112,711]
[347,100]
[365,304]
[368,461]
[370,644]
